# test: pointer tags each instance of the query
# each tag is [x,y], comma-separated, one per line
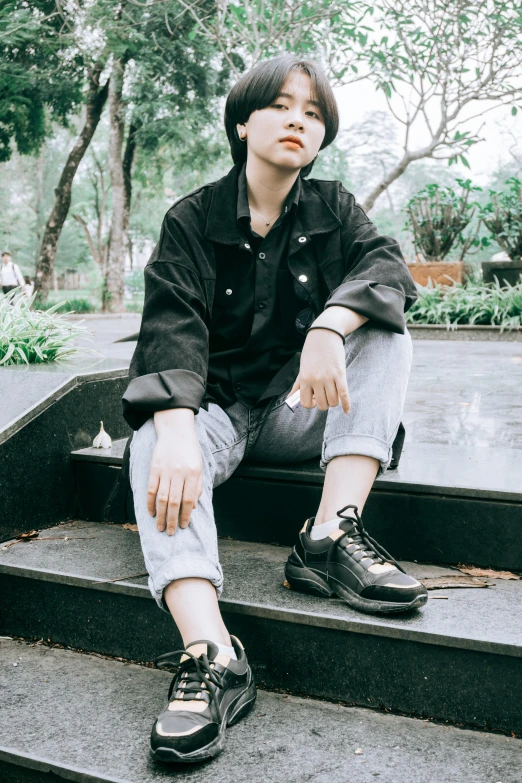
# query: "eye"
[278,106]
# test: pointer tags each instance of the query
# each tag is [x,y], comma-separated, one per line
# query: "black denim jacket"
[333,243]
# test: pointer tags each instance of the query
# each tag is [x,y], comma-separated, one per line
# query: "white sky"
[355,100]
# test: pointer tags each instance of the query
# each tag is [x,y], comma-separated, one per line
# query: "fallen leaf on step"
[286,584]
[486,572]
[443,582]
[128,526]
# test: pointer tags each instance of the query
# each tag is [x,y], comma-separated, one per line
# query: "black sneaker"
[208,692]
[351,564]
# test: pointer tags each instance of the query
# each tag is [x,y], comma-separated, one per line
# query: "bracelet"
[341,335]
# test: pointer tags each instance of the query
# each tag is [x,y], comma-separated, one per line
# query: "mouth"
[295,141]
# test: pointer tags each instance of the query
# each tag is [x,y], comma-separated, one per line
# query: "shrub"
[473,302]
[34,336]
[437,218]
[67,306]
[503,217]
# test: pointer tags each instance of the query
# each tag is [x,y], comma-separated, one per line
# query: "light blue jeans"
[378,366]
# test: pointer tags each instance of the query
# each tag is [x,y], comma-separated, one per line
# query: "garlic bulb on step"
[102,439]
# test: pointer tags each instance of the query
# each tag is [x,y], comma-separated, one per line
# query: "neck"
[268,186]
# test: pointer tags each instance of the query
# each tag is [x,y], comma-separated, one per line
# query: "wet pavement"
[466,394]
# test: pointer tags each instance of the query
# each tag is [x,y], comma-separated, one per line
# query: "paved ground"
[460,393]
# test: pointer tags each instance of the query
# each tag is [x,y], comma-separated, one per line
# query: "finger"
[176,490]
[162,499]
[306,396]
[332,396]
[344,395]
[152,490]
[188,501]
[320,397]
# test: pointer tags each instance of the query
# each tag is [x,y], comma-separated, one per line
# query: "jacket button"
[261,305]
[302,239]
[228,291]
[247,246]
[237,386]
[303,278]
[262,255]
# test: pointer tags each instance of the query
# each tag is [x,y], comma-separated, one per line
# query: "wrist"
[175,418]
[341,318]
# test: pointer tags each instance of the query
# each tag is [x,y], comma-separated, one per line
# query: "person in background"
[28,287]
[10,275]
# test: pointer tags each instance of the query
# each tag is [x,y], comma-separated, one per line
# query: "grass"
[472,302]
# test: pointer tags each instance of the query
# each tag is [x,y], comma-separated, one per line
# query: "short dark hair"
[260,86]
[6,253]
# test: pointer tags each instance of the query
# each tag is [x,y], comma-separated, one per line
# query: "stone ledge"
[464,332]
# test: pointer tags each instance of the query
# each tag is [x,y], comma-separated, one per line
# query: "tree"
[439,57]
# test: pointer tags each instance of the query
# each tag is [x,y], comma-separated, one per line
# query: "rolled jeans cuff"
[183,567]
[362,445]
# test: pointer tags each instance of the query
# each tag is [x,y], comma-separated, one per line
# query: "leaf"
[490,572]
[445,582]
[513,110]
[128,526]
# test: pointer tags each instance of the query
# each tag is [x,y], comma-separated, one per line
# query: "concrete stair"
[444,504]
[458,659]
[78,717]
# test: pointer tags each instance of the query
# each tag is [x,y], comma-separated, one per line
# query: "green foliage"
[39,74]
[438,217]
[472,302]
[135,282]
[80,305]
[33,336]
[503,217]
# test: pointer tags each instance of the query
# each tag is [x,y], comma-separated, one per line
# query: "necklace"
[264,218]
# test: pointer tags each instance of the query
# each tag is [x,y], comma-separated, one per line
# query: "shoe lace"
[363,540]
[193,676]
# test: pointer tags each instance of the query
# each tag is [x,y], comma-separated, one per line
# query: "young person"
[10,275]
[264,284]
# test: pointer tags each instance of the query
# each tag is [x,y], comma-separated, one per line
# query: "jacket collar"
[314,214]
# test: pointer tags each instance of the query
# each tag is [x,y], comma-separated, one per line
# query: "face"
[292,113]
[6,258]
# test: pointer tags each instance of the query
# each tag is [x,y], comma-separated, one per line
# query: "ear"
[241,130]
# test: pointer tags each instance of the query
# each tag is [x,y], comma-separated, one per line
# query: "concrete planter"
[464,332]
[504,269]
[437,271]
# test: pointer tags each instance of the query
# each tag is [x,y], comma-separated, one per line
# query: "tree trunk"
[96,99]
[114,285]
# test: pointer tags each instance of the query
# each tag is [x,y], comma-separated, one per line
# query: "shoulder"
[193,205]
[339,198]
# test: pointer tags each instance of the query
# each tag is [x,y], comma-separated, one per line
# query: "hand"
[176,475]
[322,372]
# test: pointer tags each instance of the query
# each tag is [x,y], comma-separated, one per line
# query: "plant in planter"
[437,218]
[503,217]
[33,336]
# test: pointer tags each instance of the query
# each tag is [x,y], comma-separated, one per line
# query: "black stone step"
[72,716]
[444,504]
[459,659]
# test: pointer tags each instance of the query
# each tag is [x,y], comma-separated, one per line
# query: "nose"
[296,121]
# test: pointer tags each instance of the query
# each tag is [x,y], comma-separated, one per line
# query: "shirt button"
[303,278]
[229,290]
[261,305]
[302,239]
[262,255]
[247,246]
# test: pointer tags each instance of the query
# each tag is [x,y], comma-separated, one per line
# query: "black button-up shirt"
[252,331]
[331,253]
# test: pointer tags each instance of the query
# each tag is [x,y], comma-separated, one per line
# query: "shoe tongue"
[202,647]
[349,526]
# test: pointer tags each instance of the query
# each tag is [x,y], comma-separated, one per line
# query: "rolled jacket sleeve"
[169,366]
[377,281]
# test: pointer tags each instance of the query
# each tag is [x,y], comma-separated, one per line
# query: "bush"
[437,218]
[34,336]
[473,302]
[68,306]
[503,217]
